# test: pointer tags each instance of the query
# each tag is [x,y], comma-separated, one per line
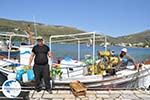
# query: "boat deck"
[91,95]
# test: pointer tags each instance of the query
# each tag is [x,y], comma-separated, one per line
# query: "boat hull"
[123,79]
[13,54]
[127,78]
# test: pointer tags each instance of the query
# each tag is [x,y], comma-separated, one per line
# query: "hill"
[137,39]
[7,25]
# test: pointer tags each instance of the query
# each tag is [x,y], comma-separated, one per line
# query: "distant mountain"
[7,25]
[135,38]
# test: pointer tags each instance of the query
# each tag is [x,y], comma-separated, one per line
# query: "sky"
[111,17]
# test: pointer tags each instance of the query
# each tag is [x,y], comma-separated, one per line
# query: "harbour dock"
[138,94]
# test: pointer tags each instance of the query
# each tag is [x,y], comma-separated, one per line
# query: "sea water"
[64,50]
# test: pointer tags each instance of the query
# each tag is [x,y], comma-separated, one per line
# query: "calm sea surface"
[61,50]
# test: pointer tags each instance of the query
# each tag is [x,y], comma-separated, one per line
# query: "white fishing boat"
[10,55]
[77,70]
[4,50]
[126,78]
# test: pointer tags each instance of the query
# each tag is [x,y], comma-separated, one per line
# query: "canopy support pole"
[78,50]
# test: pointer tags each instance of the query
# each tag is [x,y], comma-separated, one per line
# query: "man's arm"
[30,59]
[132,60]
[49,54]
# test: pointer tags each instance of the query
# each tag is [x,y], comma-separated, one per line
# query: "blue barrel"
[30,74]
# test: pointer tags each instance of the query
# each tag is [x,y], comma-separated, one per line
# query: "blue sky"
[112,17]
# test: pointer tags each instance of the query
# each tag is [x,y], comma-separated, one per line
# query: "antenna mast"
[35,30]
[30,34]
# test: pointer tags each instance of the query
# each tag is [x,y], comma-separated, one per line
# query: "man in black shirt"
[40,53]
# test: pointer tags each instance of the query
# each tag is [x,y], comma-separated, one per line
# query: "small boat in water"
[4,50]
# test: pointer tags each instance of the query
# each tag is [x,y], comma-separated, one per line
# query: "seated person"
[124,59]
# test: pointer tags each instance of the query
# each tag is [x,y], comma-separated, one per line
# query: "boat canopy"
[78,38]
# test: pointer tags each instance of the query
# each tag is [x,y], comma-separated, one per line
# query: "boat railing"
[70,68]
